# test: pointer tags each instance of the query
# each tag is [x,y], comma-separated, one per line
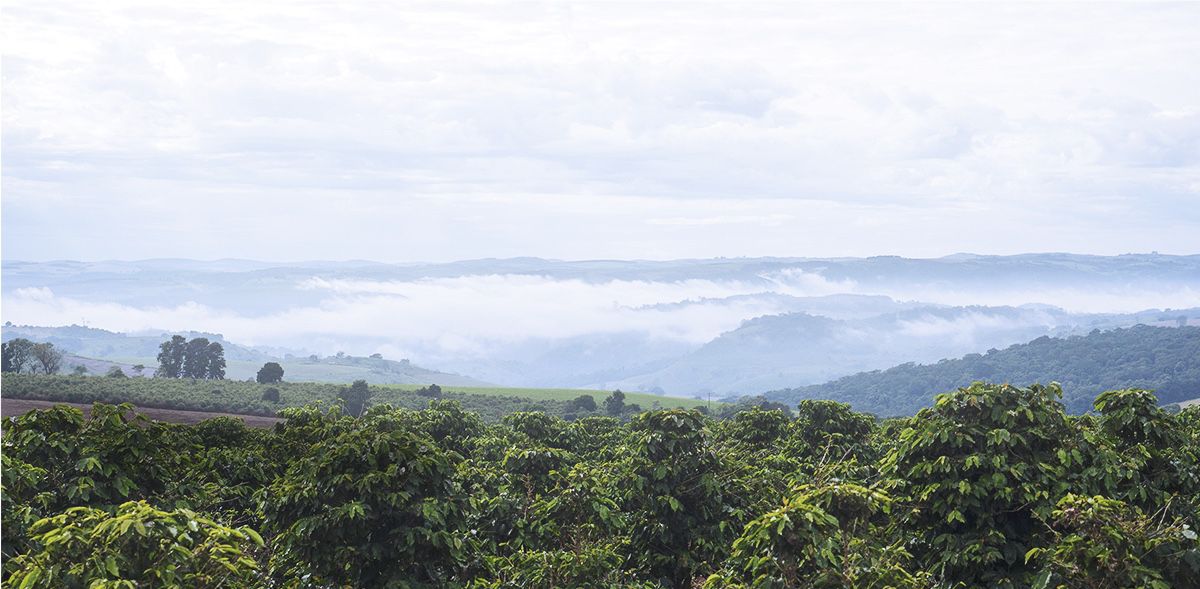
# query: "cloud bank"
[440,131]
[478,315]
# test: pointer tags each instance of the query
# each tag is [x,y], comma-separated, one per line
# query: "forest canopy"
[994,485]
[1163,359]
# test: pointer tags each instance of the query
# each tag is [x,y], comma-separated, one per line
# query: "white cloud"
[441,131]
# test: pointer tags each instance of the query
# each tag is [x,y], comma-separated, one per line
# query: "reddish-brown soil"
[14,407]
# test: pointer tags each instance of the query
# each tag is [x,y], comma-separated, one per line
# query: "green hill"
[1165,359]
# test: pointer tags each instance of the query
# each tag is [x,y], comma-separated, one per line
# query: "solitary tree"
[271,372]
[583,403]
[615,403]
[48,360]
[355,398]
[430,391]
[115,372]
[17,354]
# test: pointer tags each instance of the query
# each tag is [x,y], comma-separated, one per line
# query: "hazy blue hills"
[98,349]
[1165,359]
[779,351]
[681,327]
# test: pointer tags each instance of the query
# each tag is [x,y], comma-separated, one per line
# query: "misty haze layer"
[680,327]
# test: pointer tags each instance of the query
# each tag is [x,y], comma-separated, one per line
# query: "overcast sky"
[405,131]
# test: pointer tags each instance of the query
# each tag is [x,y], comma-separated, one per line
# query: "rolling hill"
[1165,359]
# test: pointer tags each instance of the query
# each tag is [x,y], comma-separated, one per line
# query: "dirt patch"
[15,407]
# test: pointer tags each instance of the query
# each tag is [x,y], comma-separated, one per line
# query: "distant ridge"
[99,349]
[1165,359]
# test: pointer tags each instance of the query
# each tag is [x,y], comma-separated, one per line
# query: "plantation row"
[993,486]
[250,398]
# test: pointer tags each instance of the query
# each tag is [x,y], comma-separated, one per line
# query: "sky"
[411,131]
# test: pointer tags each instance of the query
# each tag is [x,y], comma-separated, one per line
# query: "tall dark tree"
[195,359]
[216,361]
[355,398]
[170,357]
[583,403]
[17,354]
[47,359]
[615,403]
[271,372]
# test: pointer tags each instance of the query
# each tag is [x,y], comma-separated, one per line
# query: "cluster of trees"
[22,355]
[993,486]
[1163,359]
[197,358]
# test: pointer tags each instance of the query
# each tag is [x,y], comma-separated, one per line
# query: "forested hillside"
[993,486]
[1163,359]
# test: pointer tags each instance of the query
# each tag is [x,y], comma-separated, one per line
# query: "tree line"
[992,486]
[22,355]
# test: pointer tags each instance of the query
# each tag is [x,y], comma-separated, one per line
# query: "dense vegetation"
[252,398]
[993,486]
[1163,359]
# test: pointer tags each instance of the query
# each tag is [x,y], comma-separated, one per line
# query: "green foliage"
[1148,461]
[103,460]
[1100,542]
[171,356]
[831,536]
[197,358]
[1165,359]
[245,398]
[614,404]
[829,428]
[994,486]
[354,399]
[270,373]
[17,355]
[984,463]
[591,566]
[46,359]
[675,497]
[137,546]
[367,507]
[582,403]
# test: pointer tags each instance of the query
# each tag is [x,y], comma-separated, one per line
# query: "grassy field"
[246,398]
[645,400]
[302,371]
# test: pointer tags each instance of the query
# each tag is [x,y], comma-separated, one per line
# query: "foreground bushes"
[993,486]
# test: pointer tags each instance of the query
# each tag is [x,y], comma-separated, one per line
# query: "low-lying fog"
[627,323]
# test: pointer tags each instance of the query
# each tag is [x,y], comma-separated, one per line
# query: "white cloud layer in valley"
[467,316]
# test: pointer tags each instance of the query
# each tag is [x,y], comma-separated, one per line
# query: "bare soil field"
[15,407]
